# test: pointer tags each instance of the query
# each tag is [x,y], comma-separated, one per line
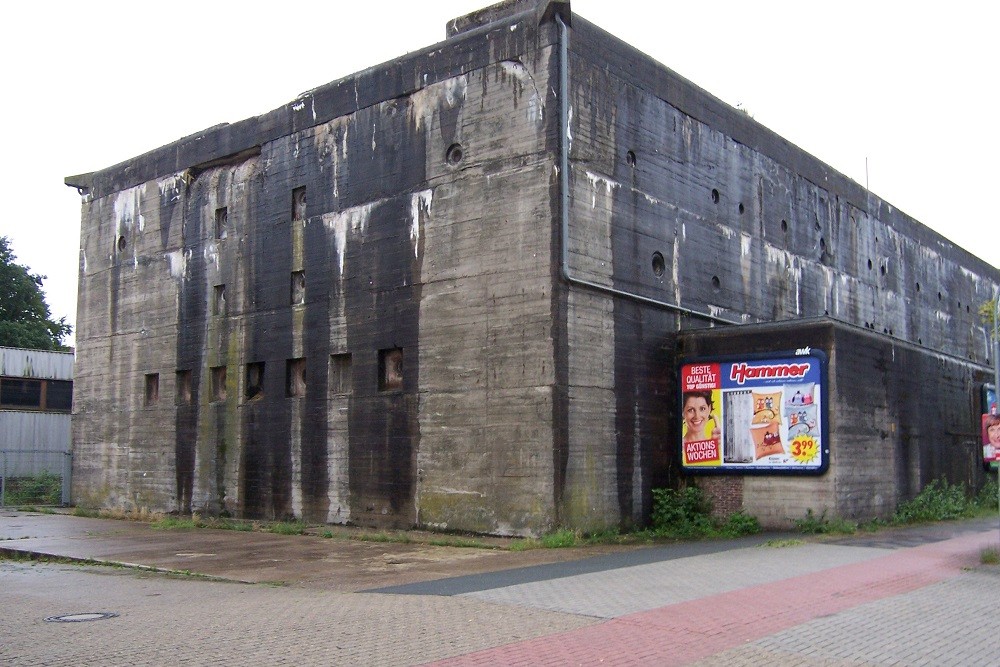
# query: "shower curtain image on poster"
[760,413]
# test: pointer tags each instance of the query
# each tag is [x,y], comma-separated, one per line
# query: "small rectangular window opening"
[340,373]
[152,388]
[390,369]
[255,380]
[298,287]
[219,383]
[299,203]
[295,377]
[219,300]
[221,222]
[183,387]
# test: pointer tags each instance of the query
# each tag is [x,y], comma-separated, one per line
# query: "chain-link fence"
[34,477]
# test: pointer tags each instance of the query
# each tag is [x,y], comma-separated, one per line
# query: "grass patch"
[174,523]
[524,545]
[559,539]
[287,528]
[782,543]
[990,556]
[820,525]
[396,538]
[460,542]
[42,489]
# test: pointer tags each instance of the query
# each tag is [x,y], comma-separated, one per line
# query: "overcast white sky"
[909,86]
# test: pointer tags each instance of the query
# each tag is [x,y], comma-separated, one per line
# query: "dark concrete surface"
[340,564]
[347,564]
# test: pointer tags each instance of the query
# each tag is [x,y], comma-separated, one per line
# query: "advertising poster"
[760,413]
[991,440]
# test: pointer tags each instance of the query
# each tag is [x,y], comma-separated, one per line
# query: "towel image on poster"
[738,446]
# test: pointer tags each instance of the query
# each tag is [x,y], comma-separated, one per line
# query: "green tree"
[988,313]
[25,320]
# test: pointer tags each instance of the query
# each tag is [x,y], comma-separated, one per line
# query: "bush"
[986,499]
[683,513]
[739,524]
[686,513]
[936,502]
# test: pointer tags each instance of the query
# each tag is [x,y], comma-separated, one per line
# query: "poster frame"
[756,357]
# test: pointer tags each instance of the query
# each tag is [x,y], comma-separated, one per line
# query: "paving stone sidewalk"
[910,597]
[807,610]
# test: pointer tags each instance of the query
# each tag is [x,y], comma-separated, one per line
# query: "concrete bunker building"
[452,291]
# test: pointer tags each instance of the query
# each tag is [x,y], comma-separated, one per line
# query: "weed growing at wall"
[287,528]
[938,501]
[42,489]
[820,525]
[686,513]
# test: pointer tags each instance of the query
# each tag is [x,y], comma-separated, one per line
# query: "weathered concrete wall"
[403,214]
[890,435]
[681,199]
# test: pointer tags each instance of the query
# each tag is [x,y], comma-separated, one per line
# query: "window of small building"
[295,377]
[299,203]
[340,373]
[254,380]
[219,383]
[24,393]
[59,395]
[390,369]
[298,291]
[34,394]
[152,388]
[184,387]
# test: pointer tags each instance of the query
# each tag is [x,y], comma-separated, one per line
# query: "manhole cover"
[79,618]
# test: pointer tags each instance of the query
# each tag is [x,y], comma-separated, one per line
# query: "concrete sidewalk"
[916,596]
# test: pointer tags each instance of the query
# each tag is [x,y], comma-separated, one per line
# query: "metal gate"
[37,477]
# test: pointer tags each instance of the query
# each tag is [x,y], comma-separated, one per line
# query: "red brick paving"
[682,633]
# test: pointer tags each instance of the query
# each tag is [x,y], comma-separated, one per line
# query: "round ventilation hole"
[454,154]
[659,264]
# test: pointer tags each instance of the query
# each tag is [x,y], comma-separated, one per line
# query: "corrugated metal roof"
[40,364]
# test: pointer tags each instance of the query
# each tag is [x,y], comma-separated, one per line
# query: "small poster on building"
[991,440]
[754,414]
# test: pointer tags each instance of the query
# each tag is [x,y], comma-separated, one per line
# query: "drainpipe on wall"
[564,198]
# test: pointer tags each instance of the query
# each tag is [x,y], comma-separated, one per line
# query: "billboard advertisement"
[990,428]
[759,413]
[991,440]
